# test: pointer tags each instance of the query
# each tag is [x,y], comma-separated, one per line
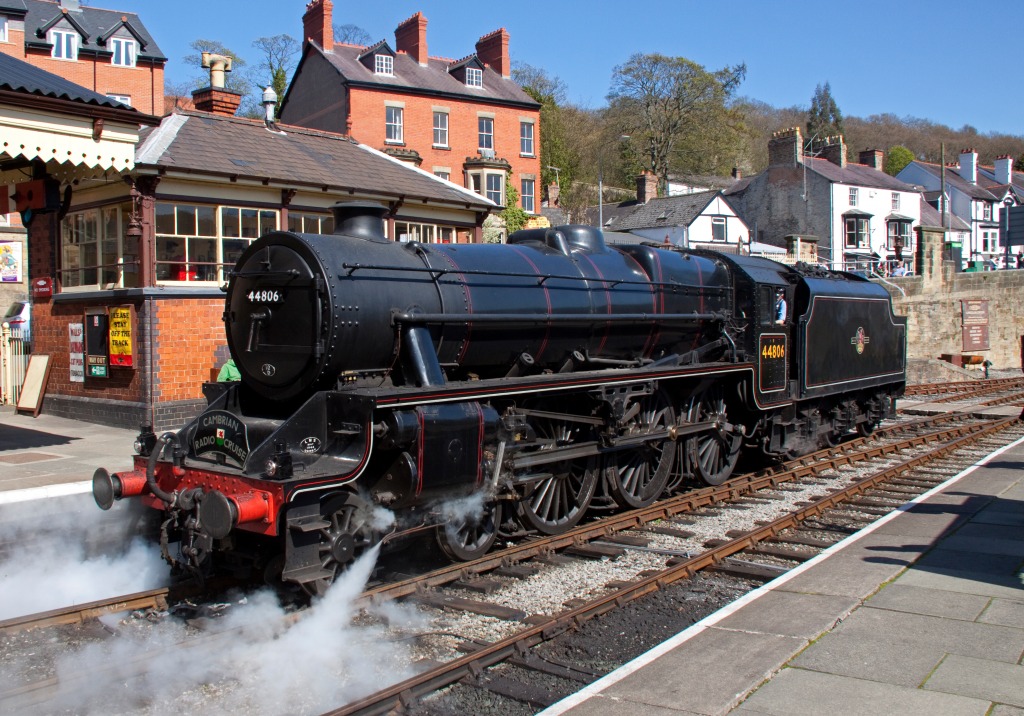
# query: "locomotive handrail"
[562,318]
[437,273]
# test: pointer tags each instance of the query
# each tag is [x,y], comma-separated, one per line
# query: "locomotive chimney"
[362,219]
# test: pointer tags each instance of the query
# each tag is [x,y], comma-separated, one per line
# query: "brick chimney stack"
[316,24]
[492,50]
[1003,169]
[411,37]
[554,191]
[786,148]
[835,151]
[646,187]
[871,158]
[969,165]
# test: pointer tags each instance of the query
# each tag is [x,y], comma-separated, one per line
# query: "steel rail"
[402,694]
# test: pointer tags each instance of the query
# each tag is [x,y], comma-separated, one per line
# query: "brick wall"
[367,113]
[143,83]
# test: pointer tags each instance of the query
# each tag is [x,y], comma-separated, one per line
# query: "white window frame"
[124,50]
[895,201]
[861,232]
[894,230]
[92,246]
[986,211]
[447,176]
[65,42]
[483,183]
[441,129]
[229,234]
[384,65]
[526,139]
[394,125]
[719,221]
[528,194]
[122,98]
[485,132]
[4,31]
[853,196]
[474,77]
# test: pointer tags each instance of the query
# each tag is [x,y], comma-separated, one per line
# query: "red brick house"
[108,51]
[463,120]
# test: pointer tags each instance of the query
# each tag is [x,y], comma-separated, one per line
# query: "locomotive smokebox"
[362,219]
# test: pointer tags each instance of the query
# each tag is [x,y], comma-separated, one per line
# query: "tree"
[278,62]
[557,146]
[661,102]
[1018,166]
[896,158]
[824,119]
[352,35]
[514,216]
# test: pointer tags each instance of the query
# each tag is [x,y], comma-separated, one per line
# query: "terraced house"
[464,120]
[108,51]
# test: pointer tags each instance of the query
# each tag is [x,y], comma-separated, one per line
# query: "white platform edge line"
[696,628]
[41,493]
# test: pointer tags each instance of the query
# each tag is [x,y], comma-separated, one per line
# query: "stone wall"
[932,304]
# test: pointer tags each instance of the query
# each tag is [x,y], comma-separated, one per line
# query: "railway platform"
[922,613]
[47,456]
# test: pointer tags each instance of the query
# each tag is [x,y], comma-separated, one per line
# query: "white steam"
[74,555]
[258,662]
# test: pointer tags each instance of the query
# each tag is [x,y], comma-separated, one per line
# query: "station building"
[137,258]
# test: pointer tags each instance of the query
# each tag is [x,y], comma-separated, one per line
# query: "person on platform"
[228,372]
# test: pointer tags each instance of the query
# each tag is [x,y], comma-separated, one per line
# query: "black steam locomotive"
[533,381]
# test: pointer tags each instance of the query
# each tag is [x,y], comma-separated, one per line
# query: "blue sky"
[942,60]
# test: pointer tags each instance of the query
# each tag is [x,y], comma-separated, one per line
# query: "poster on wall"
[10,262]
[120,336]
[76,340]
[97,351]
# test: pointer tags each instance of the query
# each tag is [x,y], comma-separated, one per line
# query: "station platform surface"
[922,612]
[49,456]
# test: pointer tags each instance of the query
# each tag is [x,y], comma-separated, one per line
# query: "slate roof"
[664,211]
[855,174]
[96,23]
[204,143]
[410,76]
[19,76]
[986,176]
[955,180]
[930,216]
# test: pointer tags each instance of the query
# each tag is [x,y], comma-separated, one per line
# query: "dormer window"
[124,52]
[65,45]
[383,64]
[474,77]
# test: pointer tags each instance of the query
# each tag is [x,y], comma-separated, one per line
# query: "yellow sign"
[121,337]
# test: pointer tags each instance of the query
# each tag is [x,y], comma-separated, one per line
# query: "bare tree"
[352,35]
[278,62]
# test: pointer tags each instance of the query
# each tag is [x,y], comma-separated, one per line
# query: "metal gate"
[14,352]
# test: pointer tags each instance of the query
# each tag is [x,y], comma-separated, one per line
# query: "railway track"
[599,539]
[968,387]
[742,554]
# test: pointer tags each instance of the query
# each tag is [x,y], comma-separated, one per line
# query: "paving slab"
[796,692]
[1003,586]
[786,613]
[932,602]
[605,705]
[903,649]
[1004,710]
[706,675]
[980,679]
[1004,612]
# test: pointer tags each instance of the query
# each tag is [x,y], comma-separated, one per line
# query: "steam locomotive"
[535,380]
